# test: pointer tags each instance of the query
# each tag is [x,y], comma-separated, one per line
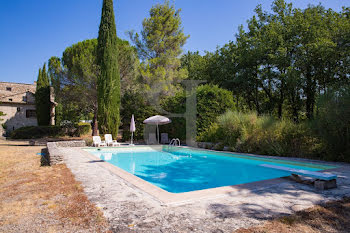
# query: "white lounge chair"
[152,139]
[96,141]
[110,141]
[164,139]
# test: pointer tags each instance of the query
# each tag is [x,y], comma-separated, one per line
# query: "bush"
[31,132]
[82,129]
[249,133]
[134,103]
[211,102]
[332,124]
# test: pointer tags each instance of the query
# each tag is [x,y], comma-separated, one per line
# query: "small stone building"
[17,101]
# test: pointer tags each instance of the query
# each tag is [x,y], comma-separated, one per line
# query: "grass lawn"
[42,199]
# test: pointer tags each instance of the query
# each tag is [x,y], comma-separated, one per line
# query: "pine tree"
[42,97]
[108,83]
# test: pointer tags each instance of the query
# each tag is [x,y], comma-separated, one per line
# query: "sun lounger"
[109,140]
[96,141]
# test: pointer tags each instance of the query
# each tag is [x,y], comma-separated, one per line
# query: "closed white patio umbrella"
[157,120]
[132,129]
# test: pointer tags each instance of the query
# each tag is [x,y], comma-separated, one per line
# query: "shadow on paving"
[332,216]
[272,200]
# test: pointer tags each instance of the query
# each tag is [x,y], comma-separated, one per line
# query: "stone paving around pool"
[130,209]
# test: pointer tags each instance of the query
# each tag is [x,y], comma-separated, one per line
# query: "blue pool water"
[183,170]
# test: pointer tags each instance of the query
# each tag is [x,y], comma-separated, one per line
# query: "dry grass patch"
[42,199]
[333,216]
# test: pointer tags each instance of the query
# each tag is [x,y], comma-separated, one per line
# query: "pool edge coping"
[168,198]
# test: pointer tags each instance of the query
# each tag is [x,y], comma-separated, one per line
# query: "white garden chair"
[97,142]
[109,140]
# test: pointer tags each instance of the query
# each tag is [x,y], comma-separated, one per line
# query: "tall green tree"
[74,78]
[196,65]
[108,83]
[55,72]
[159,47]
[42,97]
[284,59]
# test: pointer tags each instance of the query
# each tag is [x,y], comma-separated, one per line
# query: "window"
[10,100]
[30,113]
[18,109]
[8,89]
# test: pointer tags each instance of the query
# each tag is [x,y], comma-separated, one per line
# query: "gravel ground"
[129,209]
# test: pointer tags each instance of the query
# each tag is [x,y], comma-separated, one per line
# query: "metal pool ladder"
[175,142]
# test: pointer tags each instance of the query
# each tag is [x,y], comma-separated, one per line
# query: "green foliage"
[159,46]
[196,65]
[78,92]
[282,59]
[30,132]
[332,123]
[1,114]
[249,133]
[211,102]
[133,102]
[42,97]
[108,83]
[82,129]
[3,124]
[74,78]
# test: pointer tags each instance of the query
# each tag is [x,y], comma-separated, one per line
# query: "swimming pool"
[180,170]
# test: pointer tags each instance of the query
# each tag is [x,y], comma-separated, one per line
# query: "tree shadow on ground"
[262,201]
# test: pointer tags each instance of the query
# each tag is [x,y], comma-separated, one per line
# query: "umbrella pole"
[158,132]
[132,137]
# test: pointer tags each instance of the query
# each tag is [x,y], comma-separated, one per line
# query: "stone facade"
[17,101]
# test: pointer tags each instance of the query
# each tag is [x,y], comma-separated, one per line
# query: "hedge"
[31,132]
[212,101]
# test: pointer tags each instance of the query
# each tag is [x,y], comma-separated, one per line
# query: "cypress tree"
[108,83]
[42,97]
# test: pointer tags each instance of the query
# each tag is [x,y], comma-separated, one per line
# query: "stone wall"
[16,116]
[15,100]
[56,155]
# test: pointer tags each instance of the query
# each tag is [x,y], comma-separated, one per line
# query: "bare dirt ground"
[36,198]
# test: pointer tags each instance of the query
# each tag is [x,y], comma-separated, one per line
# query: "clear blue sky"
[34,30]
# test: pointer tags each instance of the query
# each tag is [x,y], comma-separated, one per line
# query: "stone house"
[17,102]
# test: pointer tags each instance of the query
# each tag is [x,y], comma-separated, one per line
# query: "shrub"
[247,132]
[332,124]
[82,129]
[31,132]
[134,103]
[211,102]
